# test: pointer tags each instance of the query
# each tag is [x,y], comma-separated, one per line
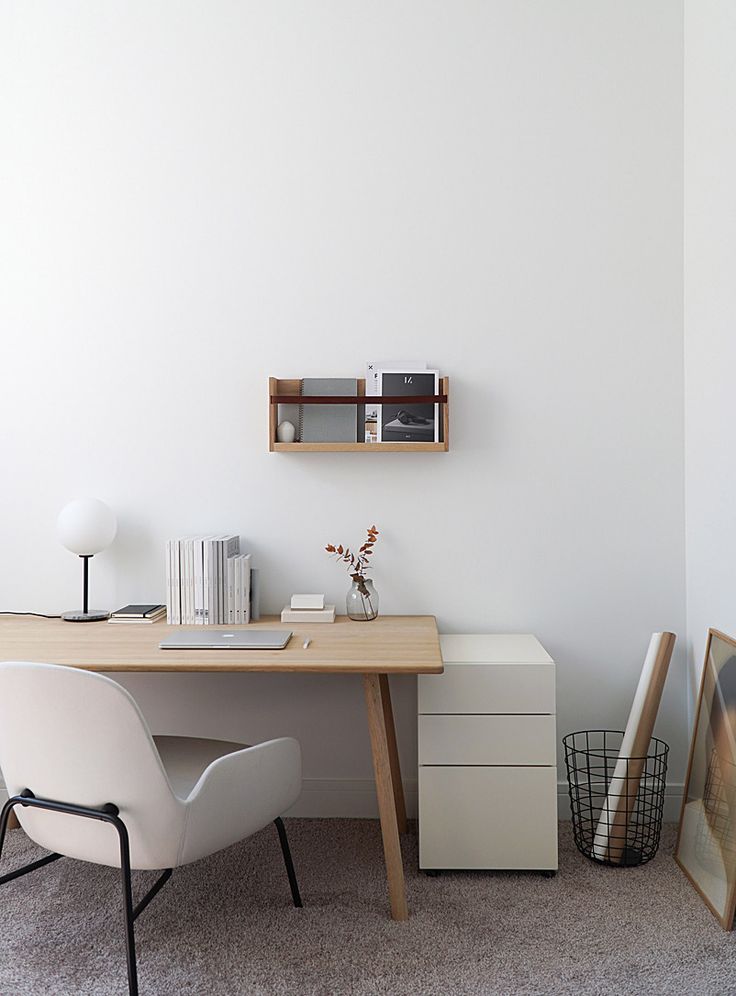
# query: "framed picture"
[409,421]
[706,841]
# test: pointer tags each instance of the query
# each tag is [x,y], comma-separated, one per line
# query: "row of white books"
[208,581]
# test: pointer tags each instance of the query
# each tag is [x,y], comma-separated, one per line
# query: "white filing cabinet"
[487,756]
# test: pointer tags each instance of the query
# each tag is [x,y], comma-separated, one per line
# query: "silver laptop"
[227,639]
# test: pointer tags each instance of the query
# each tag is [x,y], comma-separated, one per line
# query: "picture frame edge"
[725,923]
[726,920]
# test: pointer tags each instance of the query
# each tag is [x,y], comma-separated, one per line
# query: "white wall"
[710,321]
[197,196]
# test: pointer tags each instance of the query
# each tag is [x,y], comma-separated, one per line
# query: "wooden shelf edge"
[359,447]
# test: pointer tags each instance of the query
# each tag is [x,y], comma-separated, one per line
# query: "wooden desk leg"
[393,753]
[13,823]
[386,799]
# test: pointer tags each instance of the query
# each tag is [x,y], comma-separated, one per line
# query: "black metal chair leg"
[288,862]
[4,817]
[128,911]
[157,886]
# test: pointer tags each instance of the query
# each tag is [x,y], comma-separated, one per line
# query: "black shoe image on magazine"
[406,418]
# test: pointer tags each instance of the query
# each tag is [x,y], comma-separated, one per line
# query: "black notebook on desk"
[328,423]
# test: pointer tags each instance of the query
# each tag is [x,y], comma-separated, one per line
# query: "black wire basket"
[617,805]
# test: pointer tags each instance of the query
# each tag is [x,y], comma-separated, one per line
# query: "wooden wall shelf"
[287,392]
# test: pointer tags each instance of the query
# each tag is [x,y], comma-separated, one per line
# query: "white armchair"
[87,780]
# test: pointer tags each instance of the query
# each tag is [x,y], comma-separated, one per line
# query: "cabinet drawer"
[474,817]
[487,739]
[489,688]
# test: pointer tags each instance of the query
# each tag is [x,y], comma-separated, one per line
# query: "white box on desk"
[325,615]
[307,601]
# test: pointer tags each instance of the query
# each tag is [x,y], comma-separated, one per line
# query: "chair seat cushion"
[185,758]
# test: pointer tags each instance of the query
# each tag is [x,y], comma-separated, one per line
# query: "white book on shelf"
[254,602]
[230,584]
[209,578]
[214,579]
[169,580]
[206,580]
[176,583]
[182,545]
[211,588]
[246,588]
[220,579]
[230,548]
[217,582]
[242,588]
[200,553]
[188,615]
[179,582]
[238,590]
[224,546]
[190,582]
[198,576]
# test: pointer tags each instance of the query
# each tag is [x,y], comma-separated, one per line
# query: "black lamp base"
[86,614]
[93,615]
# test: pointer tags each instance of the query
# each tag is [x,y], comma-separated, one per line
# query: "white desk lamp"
[86,526]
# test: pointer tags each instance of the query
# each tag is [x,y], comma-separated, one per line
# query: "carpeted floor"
[226,926]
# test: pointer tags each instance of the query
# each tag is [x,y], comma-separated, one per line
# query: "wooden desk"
[388,645]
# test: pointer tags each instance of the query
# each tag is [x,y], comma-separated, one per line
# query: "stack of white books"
[208,581]
[309,609]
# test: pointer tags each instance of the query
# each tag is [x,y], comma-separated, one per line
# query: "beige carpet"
[226,926]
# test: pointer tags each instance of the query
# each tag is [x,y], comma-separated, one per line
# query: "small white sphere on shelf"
[86,526]
[286,433]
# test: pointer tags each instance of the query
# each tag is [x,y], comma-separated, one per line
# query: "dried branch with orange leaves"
[357,563]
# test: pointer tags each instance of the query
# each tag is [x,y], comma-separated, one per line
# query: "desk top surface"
[387,645]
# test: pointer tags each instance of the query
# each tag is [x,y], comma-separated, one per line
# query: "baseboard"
[672,802]
[356,798]
[346,797]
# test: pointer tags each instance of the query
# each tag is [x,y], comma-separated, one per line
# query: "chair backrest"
[78,737]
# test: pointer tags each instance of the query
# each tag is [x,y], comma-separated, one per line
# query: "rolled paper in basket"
[611,833]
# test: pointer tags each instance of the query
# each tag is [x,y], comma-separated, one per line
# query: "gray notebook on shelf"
[328,423]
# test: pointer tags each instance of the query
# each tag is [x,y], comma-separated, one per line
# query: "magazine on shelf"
[373,388]
[409,422]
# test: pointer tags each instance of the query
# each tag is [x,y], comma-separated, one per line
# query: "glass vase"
[362,600]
